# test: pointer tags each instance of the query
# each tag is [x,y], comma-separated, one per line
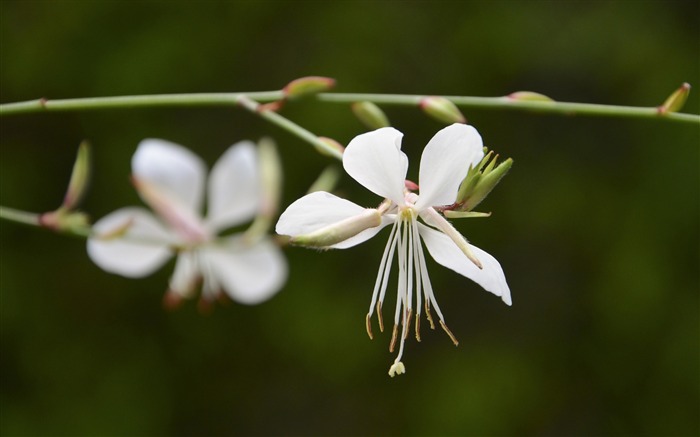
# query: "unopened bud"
[528,96]
[326,181]
[271,184]
[340,231]
[442,110]
[306,86]
[676,100]
[64,220]
[370,115]
[480,181]
[271,176]
[329,147]
[79,177]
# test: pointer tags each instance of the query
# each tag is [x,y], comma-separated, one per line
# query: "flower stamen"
[394,336]
[447,330]
[379,316]
[417,327]
[407,323]
[368,323]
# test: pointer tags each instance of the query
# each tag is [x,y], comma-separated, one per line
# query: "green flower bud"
[306,86]
[79,178]
[333,144]
[370,115]
[676,100]
[442,110]
[480,181]
[529,96]
[271,188]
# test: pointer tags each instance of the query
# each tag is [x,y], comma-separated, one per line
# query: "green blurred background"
[596,226]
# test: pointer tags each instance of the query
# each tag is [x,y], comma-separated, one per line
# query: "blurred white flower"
[376,161]
[134,242]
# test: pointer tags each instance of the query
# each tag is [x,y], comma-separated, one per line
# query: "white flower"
[376,161]
[133,242]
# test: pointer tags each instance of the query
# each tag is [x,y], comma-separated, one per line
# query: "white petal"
[234,187]
[376,161]
[249,274]
[445,163]
[318,210]
[139,247]
[445,252]
[173,170]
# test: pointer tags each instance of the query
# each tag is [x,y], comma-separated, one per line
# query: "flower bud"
[676,100]
[442,110]
[340,231]
[326,181]
[480,181]
[64,220]
[306,86]
[370,115]
[271,187]
[528,96]
[330,147]
[79,177]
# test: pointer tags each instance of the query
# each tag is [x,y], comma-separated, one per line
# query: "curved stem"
[273,117]
[233,99]
[505,102]
[130,102]
[15,215]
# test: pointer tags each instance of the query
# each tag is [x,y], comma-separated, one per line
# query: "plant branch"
[507,103]
[233,99]
[273,117]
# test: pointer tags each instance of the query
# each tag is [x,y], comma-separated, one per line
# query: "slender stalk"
[15,215]
[251,105]
[233,99]
[130,102]
[552,107]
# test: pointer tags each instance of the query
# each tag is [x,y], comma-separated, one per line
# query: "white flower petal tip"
[397,369]
[173,169]
[249,274]
[445,163]
[136,244]
[234,187]
[375,160]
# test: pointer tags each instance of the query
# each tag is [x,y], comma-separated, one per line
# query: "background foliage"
[596,225]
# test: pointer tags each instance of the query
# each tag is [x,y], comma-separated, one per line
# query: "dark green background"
[596,226]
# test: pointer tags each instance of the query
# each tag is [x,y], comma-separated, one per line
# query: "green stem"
[232,99]
[251,105]
[15,215]
[130,102]
[552,107]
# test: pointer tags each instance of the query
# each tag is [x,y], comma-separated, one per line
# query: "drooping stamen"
[394,336]
[368,324]
[379,316]
[381,273]
[418,327]
[428,314]
[454,339]
[407,323]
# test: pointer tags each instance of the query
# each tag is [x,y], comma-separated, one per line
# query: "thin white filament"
[381,272]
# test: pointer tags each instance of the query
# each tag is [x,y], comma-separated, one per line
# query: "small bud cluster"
[65,217]
[478,184]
